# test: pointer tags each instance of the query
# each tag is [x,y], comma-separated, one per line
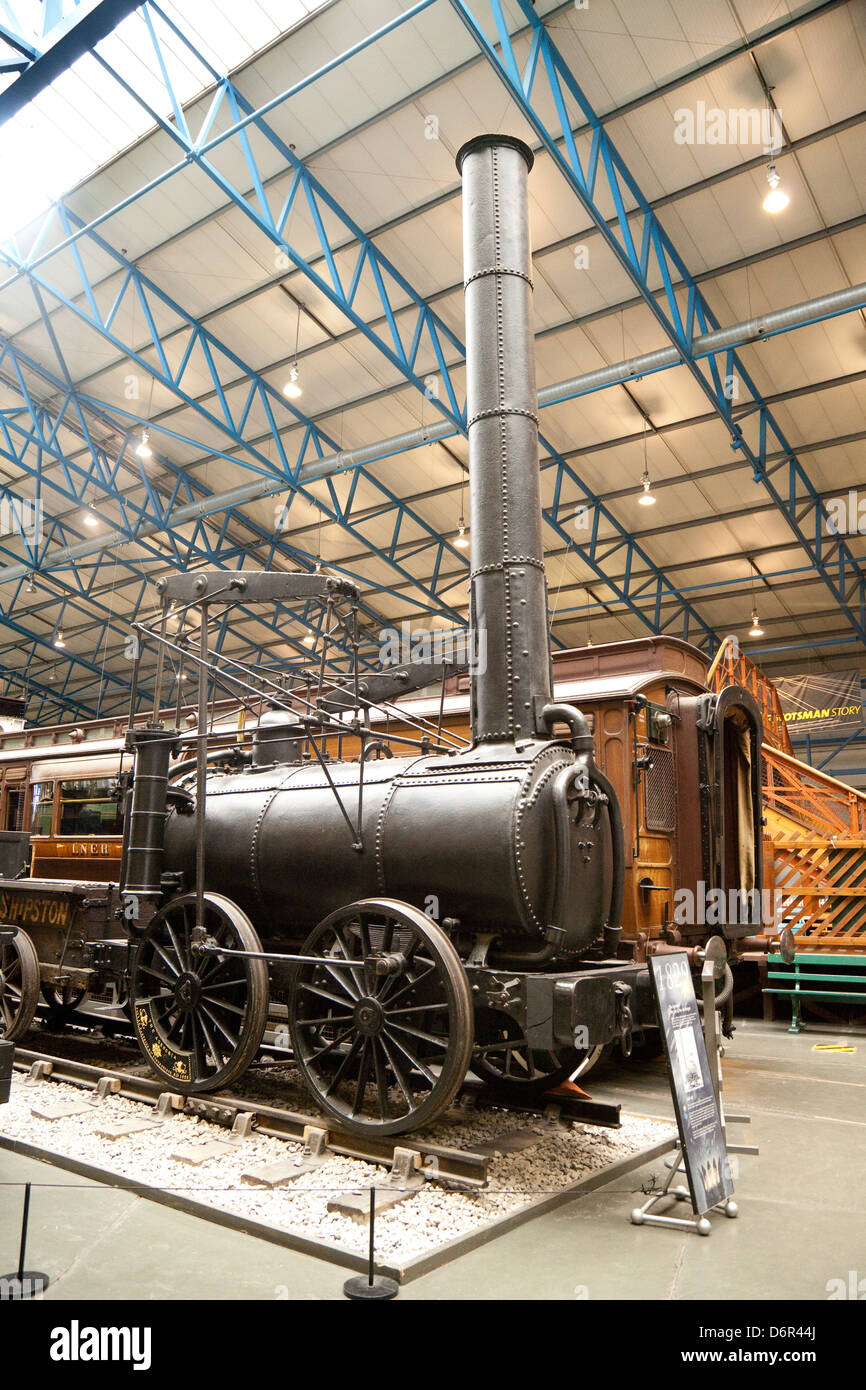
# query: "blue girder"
[645,251]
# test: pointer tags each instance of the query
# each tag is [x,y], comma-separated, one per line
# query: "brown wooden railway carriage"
[685,765]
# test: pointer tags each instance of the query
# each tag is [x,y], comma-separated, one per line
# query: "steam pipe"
[617,890]
[581,738]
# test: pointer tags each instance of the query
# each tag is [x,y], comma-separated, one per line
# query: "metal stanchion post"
[24,1283]
[371,1285]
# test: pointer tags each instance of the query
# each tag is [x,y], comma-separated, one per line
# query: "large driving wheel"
[507,1064]
[19,986]
[382,1027]
[199,1016]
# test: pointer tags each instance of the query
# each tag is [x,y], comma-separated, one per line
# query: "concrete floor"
[802,1216]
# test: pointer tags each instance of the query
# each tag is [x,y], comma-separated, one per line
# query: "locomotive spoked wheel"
[199,1016]
[383,1042]
[507,1064]
[19,986]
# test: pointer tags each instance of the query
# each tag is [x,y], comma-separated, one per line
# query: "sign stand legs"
[677,1005]
[644,1216]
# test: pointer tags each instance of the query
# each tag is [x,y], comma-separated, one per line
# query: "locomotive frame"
[202,961]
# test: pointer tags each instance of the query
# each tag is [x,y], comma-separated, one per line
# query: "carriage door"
[731,721]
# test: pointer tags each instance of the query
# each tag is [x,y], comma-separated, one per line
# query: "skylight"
[85,117]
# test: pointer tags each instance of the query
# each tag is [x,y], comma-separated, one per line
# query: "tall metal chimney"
[508,591]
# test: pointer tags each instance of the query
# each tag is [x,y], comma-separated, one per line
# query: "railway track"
[449,1165]
[319,1135]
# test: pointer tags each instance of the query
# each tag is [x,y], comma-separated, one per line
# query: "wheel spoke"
[181,958]
[399,1074]
[143,970]
[321,1022]
[157,1001]
[381,1082]
[169,962]
[356,972]
[340,978]
[198,1049]
[223,984]
[230,1037]
[222,1004]
[418,1009]
[338,1074]
[364,930]
[215,1052]
[363,1073]
[388,935]
[415,1061]
[329,1047]
[323,994]
[384,995]
[417,1033]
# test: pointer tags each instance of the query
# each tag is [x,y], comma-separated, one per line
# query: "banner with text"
[830,700]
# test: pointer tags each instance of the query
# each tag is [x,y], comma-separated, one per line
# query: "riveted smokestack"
[508,593]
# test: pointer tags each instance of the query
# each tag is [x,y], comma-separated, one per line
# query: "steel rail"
[438,1162]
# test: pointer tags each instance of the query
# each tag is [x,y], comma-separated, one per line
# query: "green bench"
[816,976]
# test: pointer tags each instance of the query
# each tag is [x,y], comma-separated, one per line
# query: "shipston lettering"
[33,911]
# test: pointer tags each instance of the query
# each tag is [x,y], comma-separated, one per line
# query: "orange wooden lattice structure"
[815,832]
[732,667]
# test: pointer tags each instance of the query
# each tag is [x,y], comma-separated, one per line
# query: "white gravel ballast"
[418,1225]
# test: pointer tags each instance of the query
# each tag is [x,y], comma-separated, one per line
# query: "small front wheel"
[513,1070]
[199,1016]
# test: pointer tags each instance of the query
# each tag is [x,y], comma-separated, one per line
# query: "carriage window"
[42,801]
[14,817]
[88,807]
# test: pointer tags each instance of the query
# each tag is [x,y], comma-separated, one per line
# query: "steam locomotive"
[458,908]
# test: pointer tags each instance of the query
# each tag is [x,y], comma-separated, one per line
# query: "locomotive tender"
[250,878]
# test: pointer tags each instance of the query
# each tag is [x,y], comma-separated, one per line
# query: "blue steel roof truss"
[406,331]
